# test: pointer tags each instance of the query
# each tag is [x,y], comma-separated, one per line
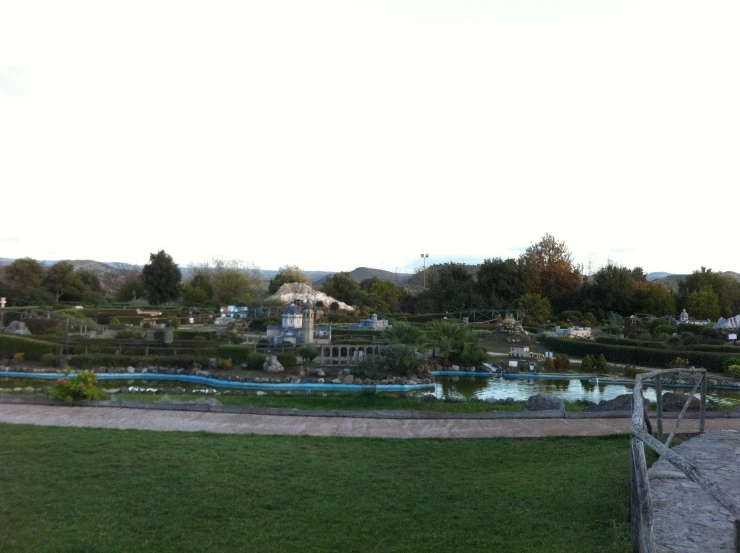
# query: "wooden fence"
[641,511]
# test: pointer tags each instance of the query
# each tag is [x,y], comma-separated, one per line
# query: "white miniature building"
[520,351]
[574,332]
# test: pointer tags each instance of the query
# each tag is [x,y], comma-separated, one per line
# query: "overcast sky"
[335,134]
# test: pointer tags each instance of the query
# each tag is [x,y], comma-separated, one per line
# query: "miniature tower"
[307,328]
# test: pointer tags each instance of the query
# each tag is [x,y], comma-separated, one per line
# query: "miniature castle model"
[298,328]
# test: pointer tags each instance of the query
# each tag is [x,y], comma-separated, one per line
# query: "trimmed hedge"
[237,353]
[90,361]
[636,355]
[30,348]
[349,332]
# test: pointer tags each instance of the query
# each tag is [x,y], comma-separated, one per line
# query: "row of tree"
[542,281]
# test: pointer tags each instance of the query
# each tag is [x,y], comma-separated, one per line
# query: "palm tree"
[447,337]
[406,334]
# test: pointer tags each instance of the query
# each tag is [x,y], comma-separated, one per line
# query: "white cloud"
[334,134]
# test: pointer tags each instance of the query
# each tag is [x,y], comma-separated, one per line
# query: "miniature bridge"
[688,501]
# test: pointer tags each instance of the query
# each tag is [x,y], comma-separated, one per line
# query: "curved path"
[240,423]
[686,518]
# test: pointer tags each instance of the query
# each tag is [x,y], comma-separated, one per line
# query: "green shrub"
[19,357]
[631,371]
[237,353]
[287,359]
[49,359]
[308,353]
[549,364]
[225,363]
[401,359]
[729,362]
[601,365]
[255,361]
[368,369]
[30,348]
[689,327]
[588,364]
[734,370]
[81,386]
[679,362]
[199,339]
[114,322]
[562,363]
[54,331]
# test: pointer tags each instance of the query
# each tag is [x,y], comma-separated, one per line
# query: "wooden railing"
[641,511]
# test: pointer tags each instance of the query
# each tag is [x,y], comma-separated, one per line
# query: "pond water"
[468,387]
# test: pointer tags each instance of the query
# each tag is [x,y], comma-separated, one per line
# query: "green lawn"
[78,490]
[353,402]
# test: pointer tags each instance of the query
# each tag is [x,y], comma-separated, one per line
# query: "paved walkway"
[229,423]
[687,519]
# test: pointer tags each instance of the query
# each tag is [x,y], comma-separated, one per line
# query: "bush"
[734,370]
[237,353]
[368,369]
[18,357]
[81,386]
[287,359]
[679,362]
[588,364]
[689,327]
[729,362]
[401,359]
[225,363]
[308,353]
[549,364]
[32,349]
[631,371]
[562,363]
[255,361]
[49,359]
[601,365]
[115,322]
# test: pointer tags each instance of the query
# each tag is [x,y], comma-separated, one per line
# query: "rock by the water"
[213,363]
[454,368]
[320,372]
[28,390]
[272,365]
[619,403]
[675,402]
[261,393]
[543,402]
[130,370]
[349,379]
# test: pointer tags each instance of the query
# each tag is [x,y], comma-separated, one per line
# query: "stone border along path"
[686,518]
[241,423]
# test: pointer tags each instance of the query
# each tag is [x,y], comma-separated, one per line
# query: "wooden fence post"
[703,403]
[659,401]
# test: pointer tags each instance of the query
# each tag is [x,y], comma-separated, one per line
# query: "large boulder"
[675,402]
[543,402]
[272,365]
[619,403]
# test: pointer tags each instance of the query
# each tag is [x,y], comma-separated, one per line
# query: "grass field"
[76,490]
[354,402]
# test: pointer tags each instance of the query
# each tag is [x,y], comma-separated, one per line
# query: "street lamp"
[424,257]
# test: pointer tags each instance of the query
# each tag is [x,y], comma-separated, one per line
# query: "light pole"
[424,257]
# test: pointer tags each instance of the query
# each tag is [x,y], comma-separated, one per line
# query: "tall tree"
[535,307]
[130,290]
[161,278]
[450,287]
[725,287]
[21,274]
[391,294]
[553,269]
[614,288]
[286,275]
[61,279]
[341,286]
[651,297]
[501,282]
[90,280]
[703,304]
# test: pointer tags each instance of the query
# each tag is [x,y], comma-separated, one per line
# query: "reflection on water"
[569,390]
